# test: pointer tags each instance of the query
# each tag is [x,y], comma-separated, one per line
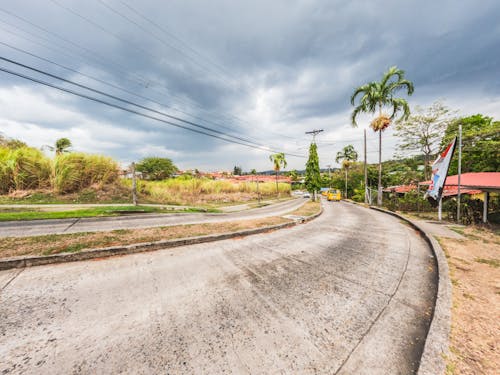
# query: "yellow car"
[333,195]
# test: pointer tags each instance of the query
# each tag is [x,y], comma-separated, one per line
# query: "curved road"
[60,226]
[348,293]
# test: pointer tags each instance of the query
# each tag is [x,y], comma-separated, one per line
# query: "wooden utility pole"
[314,133]
[134,185]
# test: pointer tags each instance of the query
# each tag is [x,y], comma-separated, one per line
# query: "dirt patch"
[54,244]
[475,277]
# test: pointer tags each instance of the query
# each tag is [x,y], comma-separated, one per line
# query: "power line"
[110,8]
[169,33]
[110,85]
[126,101]
[137,112]
[142,81]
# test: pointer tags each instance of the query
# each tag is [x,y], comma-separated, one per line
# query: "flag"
[440,172]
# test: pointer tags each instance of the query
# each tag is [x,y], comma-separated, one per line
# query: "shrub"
[23,168]
[77,171]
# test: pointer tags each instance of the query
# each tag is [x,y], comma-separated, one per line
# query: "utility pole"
[134,185]
[459,169]
[366,170]
[314,133]
[329,176]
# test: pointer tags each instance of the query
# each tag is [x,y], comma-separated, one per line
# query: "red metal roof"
[474,180]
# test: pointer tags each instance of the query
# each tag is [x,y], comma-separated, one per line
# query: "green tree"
[155,168]
[62,145]
[348,155]
[423,131]
[278,161]
[313,175]
[380,95]
[480,144]
[237,170]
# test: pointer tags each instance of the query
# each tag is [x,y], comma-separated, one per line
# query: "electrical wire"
[126,101]
[137,112]
[252,140]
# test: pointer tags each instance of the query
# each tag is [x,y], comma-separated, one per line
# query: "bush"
[23,168]
[77,171]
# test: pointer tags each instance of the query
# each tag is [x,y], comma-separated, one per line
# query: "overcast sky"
[261,71]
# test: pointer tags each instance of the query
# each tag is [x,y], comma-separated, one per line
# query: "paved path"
[60,226]
[348,293]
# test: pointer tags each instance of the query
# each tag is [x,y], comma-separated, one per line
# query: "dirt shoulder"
[75,242]
[475,274]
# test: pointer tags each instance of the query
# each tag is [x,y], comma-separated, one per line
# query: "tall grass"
[76,171]
[203,190]
[23,168]
[26,168]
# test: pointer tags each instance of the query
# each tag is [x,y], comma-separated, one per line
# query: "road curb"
[436,347]
[30,261]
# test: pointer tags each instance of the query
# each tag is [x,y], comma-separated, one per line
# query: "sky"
[261,73]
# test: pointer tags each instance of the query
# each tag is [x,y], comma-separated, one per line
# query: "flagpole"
[459,169]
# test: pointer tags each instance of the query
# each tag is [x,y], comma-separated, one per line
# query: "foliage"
[347,156]
[480,144]
[278,161]
[377,95]
[423,131]
[156,168]
[409,202]
[237,170]
[23,168]
[313,176]
[76,171]
[62,145]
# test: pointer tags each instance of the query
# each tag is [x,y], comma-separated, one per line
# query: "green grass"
[35,214]
[495,263]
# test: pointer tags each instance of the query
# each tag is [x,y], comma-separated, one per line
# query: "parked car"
[334,195]
[307,195]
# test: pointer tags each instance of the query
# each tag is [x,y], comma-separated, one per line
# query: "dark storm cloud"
[280,67]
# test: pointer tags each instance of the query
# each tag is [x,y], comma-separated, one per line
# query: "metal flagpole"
[366,171]
[459,169]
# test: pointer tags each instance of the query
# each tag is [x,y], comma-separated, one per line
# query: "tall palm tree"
[347,156]
[278,161]
[379,95]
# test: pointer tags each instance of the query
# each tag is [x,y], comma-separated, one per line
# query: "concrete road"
[60,226]
[348,293]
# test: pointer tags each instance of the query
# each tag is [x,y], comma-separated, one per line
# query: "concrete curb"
[436,346]
[30,261]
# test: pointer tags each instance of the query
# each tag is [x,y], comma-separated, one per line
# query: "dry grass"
[54,244]
[475,278]
[308,209]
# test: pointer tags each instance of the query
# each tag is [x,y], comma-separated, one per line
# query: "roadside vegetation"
[29,176]
[19,214]
[474,264]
